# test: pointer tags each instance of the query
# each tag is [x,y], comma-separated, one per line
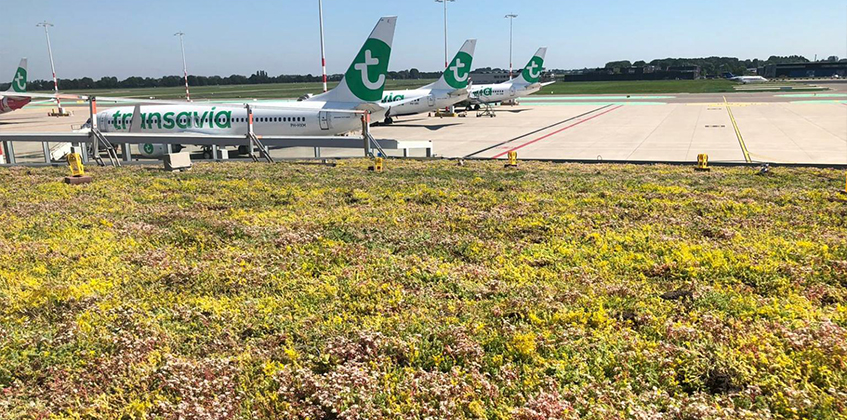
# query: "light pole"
[184,65]
[511,18]
[323,48]
[446,57]
[46,25]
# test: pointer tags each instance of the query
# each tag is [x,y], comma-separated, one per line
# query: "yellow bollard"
[703,163]
[513,160]
[75,164]
[77,170]
[378,166]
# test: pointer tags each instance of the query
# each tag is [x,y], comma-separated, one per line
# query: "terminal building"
[490,77]
[805,70]
[633,73]
[684,72]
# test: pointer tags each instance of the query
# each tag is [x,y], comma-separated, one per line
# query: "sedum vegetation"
[239,291]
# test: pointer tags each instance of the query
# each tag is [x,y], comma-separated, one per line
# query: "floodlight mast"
[47,25]
[184,64]
[323,47]
[446,57]
[511,18]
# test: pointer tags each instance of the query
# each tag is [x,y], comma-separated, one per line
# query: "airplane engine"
[157,151]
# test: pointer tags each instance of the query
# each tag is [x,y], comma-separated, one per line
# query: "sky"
[100,38]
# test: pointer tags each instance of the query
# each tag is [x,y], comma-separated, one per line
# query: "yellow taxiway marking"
[737,131]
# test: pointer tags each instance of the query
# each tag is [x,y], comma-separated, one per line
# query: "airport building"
[690,72]
[488,77]
[806,70]
[633,73]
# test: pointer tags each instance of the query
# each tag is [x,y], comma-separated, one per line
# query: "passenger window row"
[223,120]
[281,119]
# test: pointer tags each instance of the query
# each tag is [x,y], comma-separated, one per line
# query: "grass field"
[295,90]
[241,291]
[266,91]
[641,87]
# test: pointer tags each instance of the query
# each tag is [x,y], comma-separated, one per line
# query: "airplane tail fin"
[19,81]
[457,74]
[531,74]
[365,79]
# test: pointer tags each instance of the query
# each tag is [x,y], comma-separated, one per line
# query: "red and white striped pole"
[323,48]
[184,65]
[46,25]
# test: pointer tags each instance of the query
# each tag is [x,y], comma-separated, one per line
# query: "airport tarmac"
[741,127]
[766,132]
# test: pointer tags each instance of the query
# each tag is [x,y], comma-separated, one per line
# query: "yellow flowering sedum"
[428,291]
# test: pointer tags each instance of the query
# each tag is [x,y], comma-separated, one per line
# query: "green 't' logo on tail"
[366,76]
[533,70]
[458,71]
[19,82]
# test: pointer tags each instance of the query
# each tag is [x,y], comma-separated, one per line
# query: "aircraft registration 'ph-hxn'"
[449,90]
[9,102]
[330,113]
[525,84]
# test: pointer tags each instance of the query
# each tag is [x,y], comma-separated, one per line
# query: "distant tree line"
[714,66]
[260,77]
[710,66]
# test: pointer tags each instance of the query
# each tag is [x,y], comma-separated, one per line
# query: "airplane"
[525,84]
[449,90]
[746,79]
[330,113]
[10,102]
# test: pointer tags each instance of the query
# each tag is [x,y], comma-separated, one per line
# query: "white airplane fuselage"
[750,79]
[502,92]
[301,119]
[450,89]
[420,101]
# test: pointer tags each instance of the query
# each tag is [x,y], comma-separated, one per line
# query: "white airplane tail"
[457,74]
[364,81]
[531,74]
[19,81]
